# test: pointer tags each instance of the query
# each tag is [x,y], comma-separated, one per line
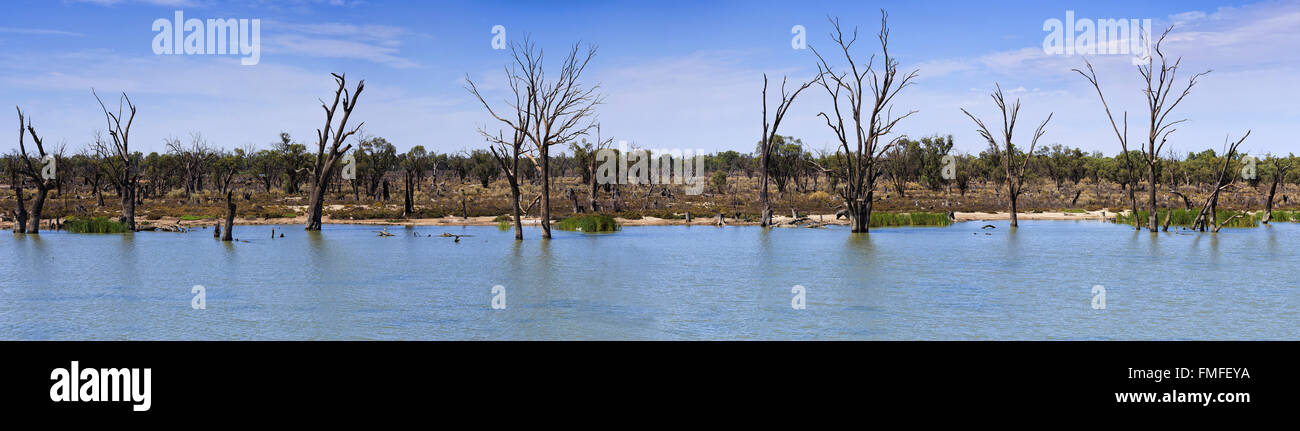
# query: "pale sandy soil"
[828,219]
[1090,215]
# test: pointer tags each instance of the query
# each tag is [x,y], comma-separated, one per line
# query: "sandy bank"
[828,219]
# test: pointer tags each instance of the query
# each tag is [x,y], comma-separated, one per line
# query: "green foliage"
[95,225]
[484,167]
[1283,216]
[589,223]
[884,219]
[195,217]
[1185,218]
[503,225]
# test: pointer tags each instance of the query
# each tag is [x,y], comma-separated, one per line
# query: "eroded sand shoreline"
[828,219]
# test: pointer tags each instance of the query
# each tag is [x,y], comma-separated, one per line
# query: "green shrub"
[589,223]
[95,225]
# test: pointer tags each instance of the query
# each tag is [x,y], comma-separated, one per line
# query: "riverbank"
[777,220]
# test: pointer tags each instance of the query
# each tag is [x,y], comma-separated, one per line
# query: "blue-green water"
[656,282]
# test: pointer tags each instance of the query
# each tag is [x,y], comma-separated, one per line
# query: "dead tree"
[128,175]
[862,140]
[28,169]
[504,150]
[573,197]
[601,144]
[1130,177]
[191,159]
[1006,150]
[1279,172]
[20,213]
[408,196]
[1208,217]
[230,218]
[1159,88]
[561,108]
[328,146]
[768,138]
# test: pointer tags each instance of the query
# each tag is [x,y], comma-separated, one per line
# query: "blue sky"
[674,74]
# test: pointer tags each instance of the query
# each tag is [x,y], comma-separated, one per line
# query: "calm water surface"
[656,282]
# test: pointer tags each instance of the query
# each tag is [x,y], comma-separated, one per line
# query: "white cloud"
[38,31]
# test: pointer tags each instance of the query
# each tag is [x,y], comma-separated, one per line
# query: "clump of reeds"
[588,223]
[885,219]
[94,225]
[1185,218]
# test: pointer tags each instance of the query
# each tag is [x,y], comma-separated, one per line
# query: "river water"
[656,282]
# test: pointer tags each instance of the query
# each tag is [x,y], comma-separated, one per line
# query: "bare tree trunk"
[1279,172]
[514,200]
[1208,217]
[315,204]
[770,135]
[1015,175]
[230,218]
[1152,218]
[862,138]
[408,206]
[546,191]
[323,169]
[1013,198]
[20,216]
[573,197]
[38,204]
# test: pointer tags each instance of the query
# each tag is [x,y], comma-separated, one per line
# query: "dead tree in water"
[506,151]
[230,218]
[1280,169]
[1007,149]
[1159,86]
[560,109]
[331,139]
[769,138]
[27,169]
[1208,218]
[862,144]
[20,214]
[128,176]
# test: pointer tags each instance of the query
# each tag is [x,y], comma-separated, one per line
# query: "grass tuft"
[885,219]
[589,223]
[95,225]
